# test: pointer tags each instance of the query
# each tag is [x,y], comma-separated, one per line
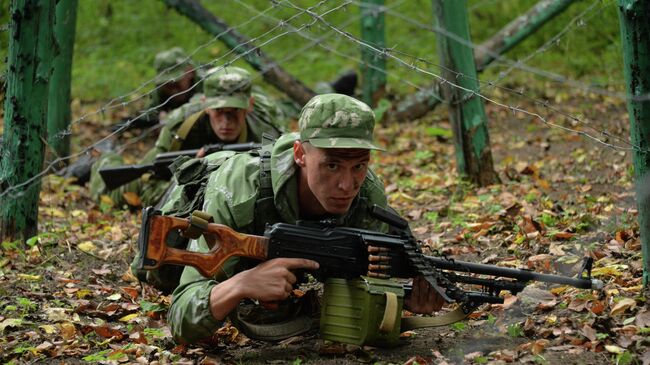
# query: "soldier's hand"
[273,280]
[201,152]
[423,299]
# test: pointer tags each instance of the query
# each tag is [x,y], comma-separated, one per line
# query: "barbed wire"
[317,41]
[577,20]
[521,64]
[51,165]
[347,36]
[469,92]
[118,101]
[490,84]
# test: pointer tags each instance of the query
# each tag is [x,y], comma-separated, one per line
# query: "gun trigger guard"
[198,224]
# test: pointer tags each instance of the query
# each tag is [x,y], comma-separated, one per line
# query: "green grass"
[116,41]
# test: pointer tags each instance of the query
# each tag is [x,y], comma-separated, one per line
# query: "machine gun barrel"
[518,274]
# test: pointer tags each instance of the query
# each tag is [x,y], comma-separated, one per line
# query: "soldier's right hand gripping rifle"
[117,176]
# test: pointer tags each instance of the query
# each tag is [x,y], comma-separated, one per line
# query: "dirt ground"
[69,298]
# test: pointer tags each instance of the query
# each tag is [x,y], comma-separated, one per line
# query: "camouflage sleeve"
[189,315]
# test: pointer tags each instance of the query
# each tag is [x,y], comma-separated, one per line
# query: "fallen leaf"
[57,314]
[131,292]
[48,329]
[589,332]
[44,346]
[129,317]
[29,277]
[539,346]
[623,305]
[563,235]
[614,349]
[87,247]
[108,332]
[10,322]
[115,297]
[597,307]
[68,330]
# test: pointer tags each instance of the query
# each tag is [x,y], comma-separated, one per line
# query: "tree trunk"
[58,112]
[271,71]
[29,70]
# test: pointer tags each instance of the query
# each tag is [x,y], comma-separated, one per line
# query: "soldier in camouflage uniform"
[319,173]
[178,80]
[226,113]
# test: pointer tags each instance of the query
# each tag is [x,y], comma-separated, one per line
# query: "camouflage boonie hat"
[171,65]
[337,121]
[227,87]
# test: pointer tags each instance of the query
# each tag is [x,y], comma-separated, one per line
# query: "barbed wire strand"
[543,103]
[443,81]
[57,161]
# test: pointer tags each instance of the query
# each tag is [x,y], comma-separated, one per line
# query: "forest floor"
[70,298]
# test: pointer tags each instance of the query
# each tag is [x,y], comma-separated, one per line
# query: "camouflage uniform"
[225,87]
[232,197]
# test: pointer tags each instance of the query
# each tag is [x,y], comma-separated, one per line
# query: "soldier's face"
[330,178]
[227,123]
[177,93]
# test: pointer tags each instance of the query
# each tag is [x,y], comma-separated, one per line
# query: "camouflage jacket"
[150,191]
[231,196]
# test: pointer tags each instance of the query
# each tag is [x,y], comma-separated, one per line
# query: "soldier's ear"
[299,153]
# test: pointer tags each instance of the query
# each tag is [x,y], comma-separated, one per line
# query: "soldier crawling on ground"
[320,173]
[227,112]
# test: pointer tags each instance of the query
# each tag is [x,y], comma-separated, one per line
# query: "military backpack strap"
[265,204]
[184,130]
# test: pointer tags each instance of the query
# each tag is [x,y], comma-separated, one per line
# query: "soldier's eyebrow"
[347,153]
[337,158]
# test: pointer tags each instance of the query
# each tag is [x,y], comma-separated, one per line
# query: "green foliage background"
[117,40]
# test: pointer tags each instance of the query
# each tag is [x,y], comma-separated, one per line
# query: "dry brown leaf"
[577,305]
[563,235]
[131,292]
[622,306]
[108,332]
[597,307]
[68,330]
[539,346]
[589,332]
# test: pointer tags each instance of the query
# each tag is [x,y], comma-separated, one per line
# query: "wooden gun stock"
[224,243]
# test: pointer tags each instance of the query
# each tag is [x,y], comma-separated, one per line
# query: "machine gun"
[341,252]
[119,175]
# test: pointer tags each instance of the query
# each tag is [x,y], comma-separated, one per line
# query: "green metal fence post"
[28,74]
[634,18]
[373,67]
[425,100]
[466,110]
[58,110]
